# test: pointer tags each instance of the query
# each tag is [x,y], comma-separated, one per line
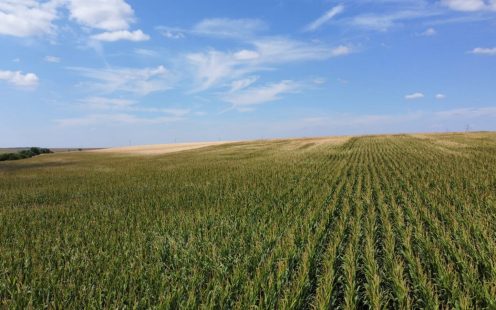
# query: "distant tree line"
[31,152]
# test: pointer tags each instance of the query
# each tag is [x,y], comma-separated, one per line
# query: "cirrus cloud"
[229,28]
[52,59]
[113,36]
[141,81]
[325,18]
[470,5]
[262,94]
[213,68]
[484,51]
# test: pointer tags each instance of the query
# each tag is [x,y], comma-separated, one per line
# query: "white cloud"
[106,103]
[258,95]
[120,118]
[172,112]
[137,81]
[389,123]
[319,81]
[145,52]
[469,112]
[52,59]
[470,5]
[109,15]
[347,120]
[325,18]
[24,18]
[213,68]
[341,50]
[171,33]
[429,32]
[127,105]
[246,55]
[229,28]
[383,22]
[484,51]
[414,96]
[241,84]
[282,50]
[17,78]
[440,96]
[113,36]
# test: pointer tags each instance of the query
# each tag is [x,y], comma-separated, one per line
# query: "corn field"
[396,222]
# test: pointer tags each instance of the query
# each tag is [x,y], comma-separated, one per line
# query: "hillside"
[397,221]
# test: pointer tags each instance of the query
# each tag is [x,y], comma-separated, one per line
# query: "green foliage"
[396,222]
[31,152]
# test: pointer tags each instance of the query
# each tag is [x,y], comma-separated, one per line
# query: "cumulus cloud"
[414,96]
[325,18]
[113,16]
[107,15]
[484,51]
[112,36]
[27,17]
[17,78]
[137,81]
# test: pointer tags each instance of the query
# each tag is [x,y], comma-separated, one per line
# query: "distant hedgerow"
[33,151]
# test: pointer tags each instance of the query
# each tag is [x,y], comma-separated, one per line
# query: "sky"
[101,73]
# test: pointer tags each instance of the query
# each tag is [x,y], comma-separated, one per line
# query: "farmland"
[403,221]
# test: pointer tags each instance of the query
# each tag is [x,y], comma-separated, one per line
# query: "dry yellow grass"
[158,149]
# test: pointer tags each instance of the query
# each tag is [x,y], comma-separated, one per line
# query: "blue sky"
[95,73]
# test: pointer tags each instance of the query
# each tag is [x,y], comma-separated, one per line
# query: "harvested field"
[158,149]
